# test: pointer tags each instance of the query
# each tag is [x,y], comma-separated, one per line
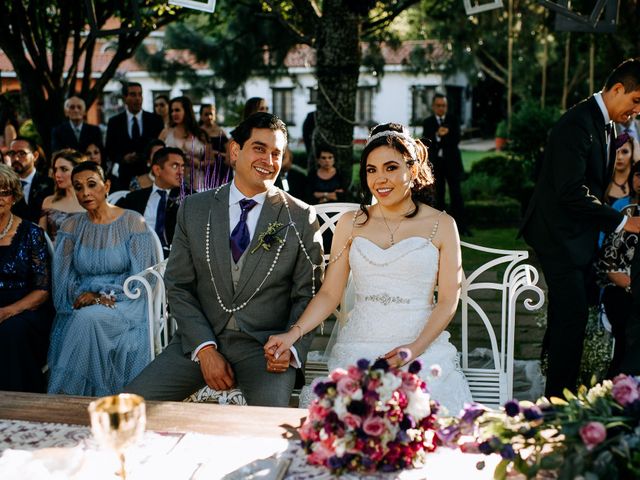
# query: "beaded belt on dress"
[384,298]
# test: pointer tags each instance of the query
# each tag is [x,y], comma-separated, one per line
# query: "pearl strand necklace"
[7,229]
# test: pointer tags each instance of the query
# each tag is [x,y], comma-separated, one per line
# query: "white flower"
[418,406]
[340,406]
[388,384]
[435,370]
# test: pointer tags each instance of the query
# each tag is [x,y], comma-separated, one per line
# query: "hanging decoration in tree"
[478,7]
[568,20]
[202,5]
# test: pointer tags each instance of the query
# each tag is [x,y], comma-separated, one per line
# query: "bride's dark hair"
[396,136]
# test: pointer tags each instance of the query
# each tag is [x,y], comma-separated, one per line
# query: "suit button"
[236,268]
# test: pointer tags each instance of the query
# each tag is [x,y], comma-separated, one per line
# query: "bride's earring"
[411,184]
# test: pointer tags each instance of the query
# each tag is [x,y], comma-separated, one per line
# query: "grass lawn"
[469,157]
[494,238]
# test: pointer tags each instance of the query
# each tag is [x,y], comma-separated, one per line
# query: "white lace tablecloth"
[44,451]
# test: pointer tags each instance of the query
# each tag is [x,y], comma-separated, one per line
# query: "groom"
[229,288]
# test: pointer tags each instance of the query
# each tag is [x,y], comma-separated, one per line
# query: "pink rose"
[320,454]
[374,426]
[355,373]
[308,432]
[317,412]
[625,390]
[337,374]
[410,382]
[373,384]
[347,386]
[352,421]
[593,433]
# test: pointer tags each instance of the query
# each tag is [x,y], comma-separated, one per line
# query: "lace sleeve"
[40,261]
[65,278]
[616,254]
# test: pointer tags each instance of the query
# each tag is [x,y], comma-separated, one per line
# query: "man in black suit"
[24,154]
[75,133]
[442,133]
[128,133]
[566,214]
[159,203]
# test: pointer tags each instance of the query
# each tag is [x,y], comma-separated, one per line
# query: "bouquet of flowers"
[370,418]
[594,434]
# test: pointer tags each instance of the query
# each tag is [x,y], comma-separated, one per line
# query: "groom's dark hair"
[242,132]
[627,73]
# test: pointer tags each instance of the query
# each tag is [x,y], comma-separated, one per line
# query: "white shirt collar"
[74,126]
[603,107]
[131,115]
[29,179]
[155,188]
[236,195]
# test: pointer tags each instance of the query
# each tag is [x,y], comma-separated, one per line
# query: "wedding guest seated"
[325,184]
[63,203]
[99,340]
[25,285]
[75,132]
[35,186]
[146,179]
[159,203]
[625,157]
[614,271]
[161,108]
[291,180]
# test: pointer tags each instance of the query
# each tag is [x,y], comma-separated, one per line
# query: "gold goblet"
[117,422]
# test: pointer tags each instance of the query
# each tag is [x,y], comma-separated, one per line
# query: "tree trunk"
[337,70]
[565,79]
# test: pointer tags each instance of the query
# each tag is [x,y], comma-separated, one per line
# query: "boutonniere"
[270,236]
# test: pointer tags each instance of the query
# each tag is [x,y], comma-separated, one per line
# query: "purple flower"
[507,452]
[471,412]
[407,422]
[321,388]
[486,448]
[449,435]
[532,413]
[512,408]
[335,462]
[363,364]
[357,407]
[415,367]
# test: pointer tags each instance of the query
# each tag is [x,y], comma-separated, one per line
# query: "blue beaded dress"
[96,350]
[25,266]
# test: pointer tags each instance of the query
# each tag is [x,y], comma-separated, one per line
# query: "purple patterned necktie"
[239,239]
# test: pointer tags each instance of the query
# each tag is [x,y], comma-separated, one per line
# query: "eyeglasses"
[6,193]
[17,153]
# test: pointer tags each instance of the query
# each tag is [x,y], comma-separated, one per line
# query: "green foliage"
[498,212]
[530,125]
[509,172]
[481,186]
[502,131]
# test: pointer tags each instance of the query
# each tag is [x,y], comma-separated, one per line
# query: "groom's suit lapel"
[273,204]
[220,253]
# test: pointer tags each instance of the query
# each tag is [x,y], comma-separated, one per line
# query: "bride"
[398,251]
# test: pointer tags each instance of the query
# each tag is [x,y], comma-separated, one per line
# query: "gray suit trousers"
[173,376]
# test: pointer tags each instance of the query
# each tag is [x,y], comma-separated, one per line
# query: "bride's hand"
[278,344]
[399,356]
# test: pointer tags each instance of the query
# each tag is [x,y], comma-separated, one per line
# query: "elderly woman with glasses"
[99,341]
[25,285]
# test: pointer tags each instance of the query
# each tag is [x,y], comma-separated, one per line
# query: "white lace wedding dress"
[393,301]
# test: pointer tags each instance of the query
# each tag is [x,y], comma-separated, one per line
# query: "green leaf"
[500,473]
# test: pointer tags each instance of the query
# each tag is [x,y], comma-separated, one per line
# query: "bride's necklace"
[5,231]
[391,232]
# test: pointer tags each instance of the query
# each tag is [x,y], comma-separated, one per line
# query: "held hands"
[91,298]
[279,364]
[400,356]
[278,345]
[216,371]
[442,131]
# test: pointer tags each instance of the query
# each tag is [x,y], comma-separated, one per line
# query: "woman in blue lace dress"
[25,307]
[99,341]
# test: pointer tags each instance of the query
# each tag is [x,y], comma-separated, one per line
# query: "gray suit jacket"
[280,300]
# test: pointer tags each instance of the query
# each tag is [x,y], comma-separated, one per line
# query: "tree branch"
[384,19]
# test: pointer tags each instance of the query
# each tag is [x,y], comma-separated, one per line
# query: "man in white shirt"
[230,285]
[159,203]
[128,134]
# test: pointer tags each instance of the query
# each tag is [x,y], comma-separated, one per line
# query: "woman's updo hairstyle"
[397,137]
[88,166]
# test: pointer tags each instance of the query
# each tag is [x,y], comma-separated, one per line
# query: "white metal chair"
[152,281]
[115,196]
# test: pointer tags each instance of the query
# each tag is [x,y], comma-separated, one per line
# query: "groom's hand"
[280,364]
[216,370]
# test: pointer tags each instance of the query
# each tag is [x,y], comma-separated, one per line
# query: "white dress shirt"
[151,210]
[26,188]
[138,117]
[607,120]
[235,211]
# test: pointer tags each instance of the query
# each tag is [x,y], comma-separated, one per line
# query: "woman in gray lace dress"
[63,203]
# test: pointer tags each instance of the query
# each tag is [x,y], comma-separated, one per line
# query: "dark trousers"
[617,305]
[631,360]
[567,314]
[442,179]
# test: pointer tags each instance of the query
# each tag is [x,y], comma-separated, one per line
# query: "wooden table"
[226,420]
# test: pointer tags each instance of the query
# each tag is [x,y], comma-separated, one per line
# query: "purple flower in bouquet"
[415,367]
[593,434]
[363,364]
[512,408]
[471,412]
[380,364]
[507,452]
[625,390]
[532,413]
[449,435]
